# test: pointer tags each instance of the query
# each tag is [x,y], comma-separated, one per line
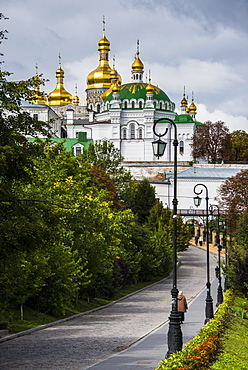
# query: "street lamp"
[209,312]
[175,339]
[219,290]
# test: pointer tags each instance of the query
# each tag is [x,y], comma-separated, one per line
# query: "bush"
[201,351]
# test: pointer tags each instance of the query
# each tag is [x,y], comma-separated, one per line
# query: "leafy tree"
[239,141]
[104,155]
[233,197]
[140,198]
[211,142]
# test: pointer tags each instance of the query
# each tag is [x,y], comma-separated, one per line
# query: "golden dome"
[59,96]
[101,76]
[149,86]
[116,88]
[137,64]
[184,102]
[192,107]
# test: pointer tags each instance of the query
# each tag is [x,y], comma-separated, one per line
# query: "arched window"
[140,105]
[125,105]
[132,131]
[161,105]
[181,147]
[98,108]
[124,133]
[133,105]
[140,133]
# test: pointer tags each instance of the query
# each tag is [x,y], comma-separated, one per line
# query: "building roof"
[206,173]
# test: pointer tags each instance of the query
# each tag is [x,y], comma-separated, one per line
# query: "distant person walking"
[196,239]
[201,240]
[181,305]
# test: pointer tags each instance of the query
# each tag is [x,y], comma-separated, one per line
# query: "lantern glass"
[158,147]
[197,201]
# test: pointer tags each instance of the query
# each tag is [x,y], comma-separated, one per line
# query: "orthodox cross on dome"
[103,23]
[59,59]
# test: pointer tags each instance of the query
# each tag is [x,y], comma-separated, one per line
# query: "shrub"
[201,351]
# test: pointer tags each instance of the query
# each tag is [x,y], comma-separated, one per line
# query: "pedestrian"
[196,239]
[201,240]
[181,305]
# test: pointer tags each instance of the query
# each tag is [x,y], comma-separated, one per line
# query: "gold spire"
[137,64]
[59,96]
[100,77]
[149,87]
[76,99]
[184,102]
[38,97]
[192,107]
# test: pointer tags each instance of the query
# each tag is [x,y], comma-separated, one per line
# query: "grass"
[34,318]
[235,342]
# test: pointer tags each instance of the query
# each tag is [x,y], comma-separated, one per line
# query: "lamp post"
[209,312]
[219,290]
[175,341]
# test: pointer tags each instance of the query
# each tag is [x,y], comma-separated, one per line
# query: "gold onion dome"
[149,87]
[137,64]
[184,102]
[116,88]
[192,107]
[101,76]
[59,96]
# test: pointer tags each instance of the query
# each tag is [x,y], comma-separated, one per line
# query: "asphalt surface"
[114,331]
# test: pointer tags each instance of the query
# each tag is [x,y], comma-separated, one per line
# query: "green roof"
[137,91]
[69,143]
[183,118]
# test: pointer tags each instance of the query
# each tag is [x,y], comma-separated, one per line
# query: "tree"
[233,197]
[140,198]
[105,155]
[239,141]
[211,142]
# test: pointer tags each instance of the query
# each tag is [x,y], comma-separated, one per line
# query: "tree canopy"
[211,142]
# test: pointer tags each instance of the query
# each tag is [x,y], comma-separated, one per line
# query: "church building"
[122,113]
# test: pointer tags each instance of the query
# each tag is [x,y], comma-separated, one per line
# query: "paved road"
[78,343]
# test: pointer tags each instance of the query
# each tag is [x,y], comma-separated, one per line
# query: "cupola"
[59,96]
[137,67]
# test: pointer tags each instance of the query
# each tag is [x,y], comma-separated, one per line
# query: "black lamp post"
[175,340]
[219,290]
[209,312]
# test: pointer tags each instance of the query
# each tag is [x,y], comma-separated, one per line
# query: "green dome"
[138,91]
[183,118]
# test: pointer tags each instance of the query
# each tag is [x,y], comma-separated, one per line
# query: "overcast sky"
[199,44]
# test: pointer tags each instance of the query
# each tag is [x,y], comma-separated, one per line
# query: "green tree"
[211,142]
[140,197]
[104,155]
[239,141]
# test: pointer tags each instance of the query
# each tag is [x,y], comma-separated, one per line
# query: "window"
[124,133]
[132,131]
[78,151]
[133,105]
[140,105]
[140,133]
[181,147]
[161,105]
[35,116]
[125,105]
[76,135]
[98,108]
